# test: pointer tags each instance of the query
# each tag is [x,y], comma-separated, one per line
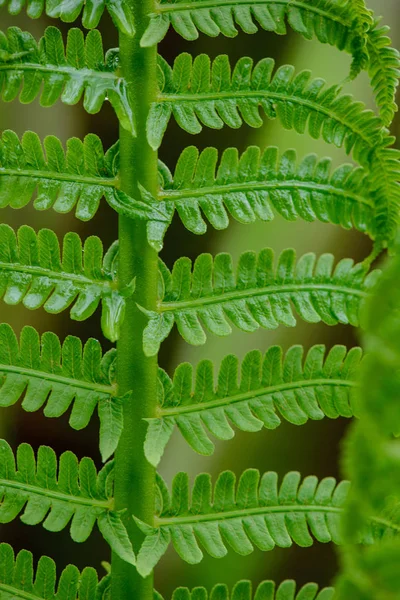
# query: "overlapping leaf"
[260,294]
[256,514]
[45,374]
[243,590]
[20,579]
[33,272]
[29,68]
[57,492]
[69,10]
[270,387]
[75,179]
[255,186]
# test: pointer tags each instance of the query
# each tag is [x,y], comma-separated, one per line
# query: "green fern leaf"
[269,384]
[338,23]
[19,579]
[56,494]
[260,295]
[68,72]
[32,272]
[44,373]
[255,186]
[243,590]
[256,514]
[69,10]
[77,178]
[384,70]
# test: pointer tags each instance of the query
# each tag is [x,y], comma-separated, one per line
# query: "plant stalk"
[134,476]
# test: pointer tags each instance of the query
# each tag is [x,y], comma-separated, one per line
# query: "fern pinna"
[141,298]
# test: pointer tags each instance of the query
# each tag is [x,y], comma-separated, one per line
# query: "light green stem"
[134,477]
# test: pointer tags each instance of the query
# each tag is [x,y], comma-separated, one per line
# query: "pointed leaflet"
[55,377]
[57,492]
[211,295]
[256,513]
[256,185]
[35,272]
[63,180]
[270,387]
[68,72]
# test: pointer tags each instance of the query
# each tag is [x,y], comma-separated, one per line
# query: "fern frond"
[69,10]
[339,23]
[266,590]
[55,494]
[260,295]
[46,374]
[256,185]
[270,387]
[66,72]
[384,70]
[33,272]
[257,513]
[19,578]
[62,180]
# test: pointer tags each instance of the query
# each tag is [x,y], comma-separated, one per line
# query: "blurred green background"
[313,448]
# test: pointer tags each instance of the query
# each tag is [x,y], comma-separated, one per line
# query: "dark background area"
[311,449]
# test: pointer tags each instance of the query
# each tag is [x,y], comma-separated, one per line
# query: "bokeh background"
[310,449]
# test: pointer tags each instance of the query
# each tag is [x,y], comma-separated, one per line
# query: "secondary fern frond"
[256,185]
[77,178]
[270,387]
[338,23]
[56,493]
[69,10]
[19,578]
[260,295]
[69,72]
[243,590]
[33,272]
[46,374]
[256,513]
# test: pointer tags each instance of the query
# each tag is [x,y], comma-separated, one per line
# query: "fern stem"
[134,476]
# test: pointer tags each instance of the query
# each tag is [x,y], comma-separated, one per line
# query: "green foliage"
[257,513]
[32,271]
[66,73]
[243,590]
[46,374]
[19,579]
[260,294]
[297,389]
[56,493]
[69,10]
[77,178]
[254,186]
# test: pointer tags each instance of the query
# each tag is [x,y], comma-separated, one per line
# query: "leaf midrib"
[67,381]
[17,593]
[85,73]
[54,175]
[192,6]
[253,292]
[249,186]
[266,391]
[54,275]
[32,490]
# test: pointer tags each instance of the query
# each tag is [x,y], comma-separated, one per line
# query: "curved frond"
[46,374]
[29,68]
[256,185]
[257,513]
[340,23]
[270,387]
[19,579]
[35,272]
[260,294]
[266,590]
[62,180]
[69,10]
[57,492]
